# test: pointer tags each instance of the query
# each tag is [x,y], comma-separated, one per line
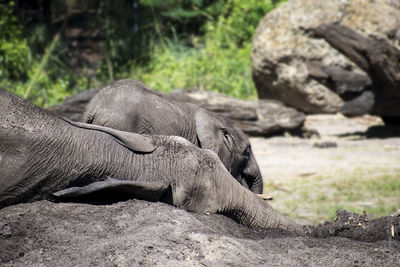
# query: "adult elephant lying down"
[45,157]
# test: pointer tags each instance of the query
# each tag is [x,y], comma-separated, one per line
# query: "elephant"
[128,105]
[46,157]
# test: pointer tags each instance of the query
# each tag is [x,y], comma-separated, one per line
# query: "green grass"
[218,60]
[220,69]
[168,55]
[317,198]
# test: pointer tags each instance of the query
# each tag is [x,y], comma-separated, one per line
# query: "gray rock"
[74,106]
[283,50]
[254,117]
[378,58]
[135,232]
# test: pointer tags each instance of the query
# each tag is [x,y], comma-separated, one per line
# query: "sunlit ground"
[310,184]
[317,198]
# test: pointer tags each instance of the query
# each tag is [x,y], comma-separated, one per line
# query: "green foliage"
[176,10]
[167,44]
[210,68]
[219,60]
[132,33]
[14,51]
[45,92]
[43,79]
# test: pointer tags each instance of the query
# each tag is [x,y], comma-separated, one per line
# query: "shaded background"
[54,48]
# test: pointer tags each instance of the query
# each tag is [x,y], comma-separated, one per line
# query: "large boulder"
[285,55]
[378,58]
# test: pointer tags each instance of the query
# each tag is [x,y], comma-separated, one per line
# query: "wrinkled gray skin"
[45,157]
[128,105]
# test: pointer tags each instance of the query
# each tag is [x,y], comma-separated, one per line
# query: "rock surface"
[284,53]
[261,118]
[257,118]
[137,232]
[376,57]
[74,106]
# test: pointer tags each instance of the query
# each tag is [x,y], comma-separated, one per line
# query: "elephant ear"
[132,141]
[208,131]
[151,191]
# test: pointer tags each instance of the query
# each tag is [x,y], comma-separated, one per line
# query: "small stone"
[327,144]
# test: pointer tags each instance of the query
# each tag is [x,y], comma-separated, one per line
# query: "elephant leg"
[151,191]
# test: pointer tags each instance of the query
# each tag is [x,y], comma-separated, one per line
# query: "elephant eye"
[225,132]
[247,152]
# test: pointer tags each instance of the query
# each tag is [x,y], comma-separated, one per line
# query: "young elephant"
[44,157]
[128,105]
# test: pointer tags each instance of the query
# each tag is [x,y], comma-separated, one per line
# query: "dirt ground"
[364,149]
[360,142]
[140,233]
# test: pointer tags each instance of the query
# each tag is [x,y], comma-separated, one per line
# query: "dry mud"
[136,233]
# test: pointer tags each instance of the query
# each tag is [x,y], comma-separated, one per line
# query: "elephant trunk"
[255,183]
[252,176]
[252,211]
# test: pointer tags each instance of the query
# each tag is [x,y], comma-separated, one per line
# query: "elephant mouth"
[253,183]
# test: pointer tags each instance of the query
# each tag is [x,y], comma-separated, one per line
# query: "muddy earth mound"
[137,232]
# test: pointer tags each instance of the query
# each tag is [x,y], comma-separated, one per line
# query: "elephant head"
[42,157]
[231,145]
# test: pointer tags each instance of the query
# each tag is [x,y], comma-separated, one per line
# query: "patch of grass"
[216,60]
[211,68]
[316,199]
